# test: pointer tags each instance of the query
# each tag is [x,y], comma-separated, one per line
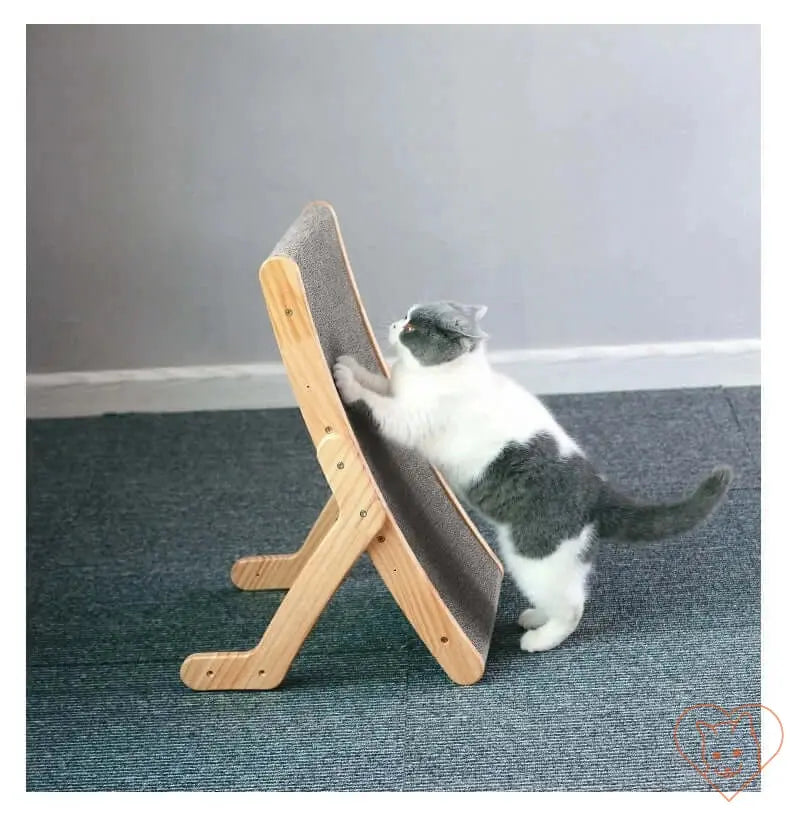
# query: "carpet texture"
[135,520]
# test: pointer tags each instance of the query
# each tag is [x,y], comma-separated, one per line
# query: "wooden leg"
[278,571]
[361,516]
[265,666]
[420,602]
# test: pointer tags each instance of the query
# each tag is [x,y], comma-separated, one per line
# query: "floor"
[135,520]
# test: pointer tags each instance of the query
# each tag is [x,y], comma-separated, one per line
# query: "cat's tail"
[623,518]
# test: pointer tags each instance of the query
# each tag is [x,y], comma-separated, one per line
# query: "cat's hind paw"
[545,637]
[532,618]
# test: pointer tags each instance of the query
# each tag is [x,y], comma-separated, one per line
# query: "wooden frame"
[355,519]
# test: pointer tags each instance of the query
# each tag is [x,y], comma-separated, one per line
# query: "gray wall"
[592,185]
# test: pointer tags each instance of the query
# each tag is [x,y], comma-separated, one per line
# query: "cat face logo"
[729,746]
[723,745]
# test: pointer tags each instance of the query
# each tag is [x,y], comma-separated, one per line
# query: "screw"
[327,429]
[363,513]
[288,312]
[379,539]
[340,465]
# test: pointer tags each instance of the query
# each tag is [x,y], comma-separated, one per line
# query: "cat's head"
[438,332]
[729,747]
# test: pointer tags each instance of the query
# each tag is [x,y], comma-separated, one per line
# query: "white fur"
[460,415]
[556,585]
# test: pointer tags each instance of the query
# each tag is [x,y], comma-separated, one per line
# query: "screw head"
[327,429]
[380,539]
[341,465]
[288,312]
[363,513]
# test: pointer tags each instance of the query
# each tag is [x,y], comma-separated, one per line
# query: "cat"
[730,750]
[505,455]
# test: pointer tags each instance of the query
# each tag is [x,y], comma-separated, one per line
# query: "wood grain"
[303,358]
[423,607]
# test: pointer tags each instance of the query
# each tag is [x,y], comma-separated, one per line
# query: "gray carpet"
[135,520]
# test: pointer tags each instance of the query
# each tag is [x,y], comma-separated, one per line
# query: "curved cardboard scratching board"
[386,500]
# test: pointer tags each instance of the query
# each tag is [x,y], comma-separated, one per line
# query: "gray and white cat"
[504,454]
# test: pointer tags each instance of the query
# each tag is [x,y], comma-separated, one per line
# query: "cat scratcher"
[385,500]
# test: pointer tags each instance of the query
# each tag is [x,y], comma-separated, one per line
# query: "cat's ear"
[705,729]
[473,331]
[461,320]
[742,723]
[475,312]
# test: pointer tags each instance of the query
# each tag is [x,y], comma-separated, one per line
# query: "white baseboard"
[232,387]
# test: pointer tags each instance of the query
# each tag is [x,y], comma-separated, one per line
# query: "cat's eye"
[737,752]
[716,755]
[408,328]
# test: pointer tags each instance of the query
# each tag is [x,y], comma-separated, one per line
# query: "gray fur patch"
[623,518]
[544,498]
[443,331]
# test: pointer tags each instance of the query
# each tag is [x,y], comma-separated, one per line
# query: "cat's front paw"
[350,362]
[349,388]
